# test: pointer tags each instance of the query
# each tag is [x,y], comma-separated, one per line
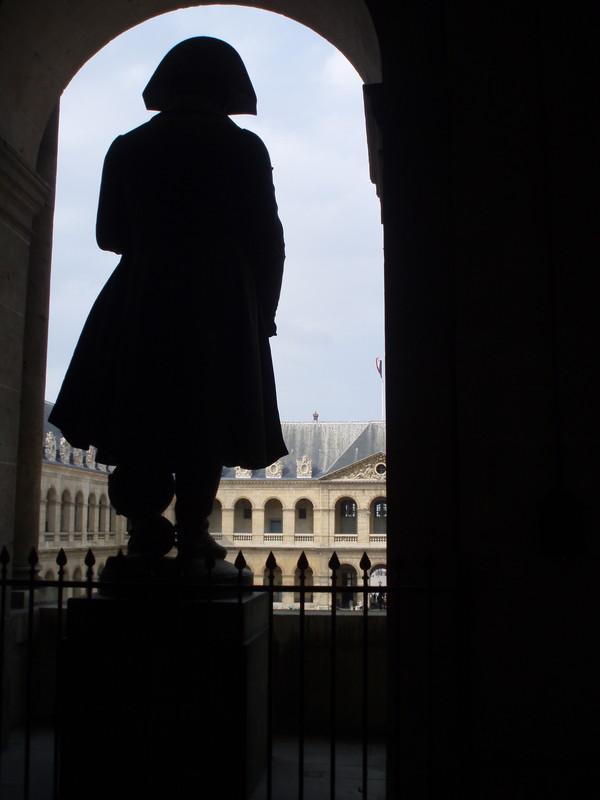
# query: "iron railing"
[38,613]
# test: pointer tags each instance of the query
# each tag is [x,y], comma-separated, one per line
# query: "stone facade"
[328,494]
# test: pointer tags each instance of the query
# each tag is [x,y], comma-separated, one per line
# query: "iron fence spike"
[302,562]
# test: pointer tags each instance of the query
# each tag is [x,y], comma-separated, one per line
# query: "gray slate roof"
[330,446]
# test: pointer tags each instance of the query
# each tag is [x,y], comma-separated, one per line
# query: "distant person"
[173,373]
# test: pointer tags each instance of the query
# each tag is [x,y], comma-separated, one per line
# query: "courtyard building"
[328,494]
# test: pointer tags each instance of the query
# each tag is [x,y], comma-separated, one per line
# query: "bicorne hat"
[200,62]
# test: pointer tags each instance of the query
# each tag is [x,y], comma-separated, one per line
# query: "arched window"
[91,513]
[377,580]
[277,581]
[66,507]
[78,576]
[379,516]
[215,520]
[242,516]
[345,517]
[308,581]
[102,514]
[273,516]
[112,520]
[79,508]
[347,580]
[304,517]
[51,505]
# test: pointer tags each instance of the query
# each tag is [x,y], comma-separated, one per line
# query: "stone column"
[362,525]
[25,240]
[258,522]
[227,521]
[289,521]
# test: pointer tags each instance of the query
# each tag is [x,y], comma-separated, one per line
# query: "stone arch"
[304,513]
[277,581]
[53,48]
[273,516]
[378,516]
[66,512]
[242,516]
[215,518]
[346,511]
[308,581]
[103,513]
[78,591]
[79,512]
[347,576]
[91,514]
[45,45]
[51,506]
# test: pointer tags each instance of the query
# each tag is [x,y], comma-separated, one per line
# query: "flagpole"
[379,368]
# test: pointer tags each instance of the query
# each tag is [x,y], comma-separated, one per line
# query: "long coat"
[173,363]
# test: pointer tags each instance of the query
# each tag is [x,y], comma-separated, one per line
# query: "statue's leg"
[142,495]
[195,490]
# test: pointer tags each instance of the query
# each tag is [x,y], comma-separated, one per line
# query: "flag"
[379,367]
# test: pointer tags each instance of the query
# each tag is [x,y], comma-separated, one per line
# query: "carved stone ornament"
[50,446]
[240,472]
[274,470]
[90,457]
[304,468]
[372,470]
[65,451]
[78,457]
[101,467]
[368,472]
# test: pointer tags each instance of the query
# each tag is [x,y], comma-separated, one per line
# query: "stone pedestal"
[163,697]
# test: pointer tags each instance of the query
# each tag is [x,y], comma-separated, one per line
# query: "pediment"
[372,468]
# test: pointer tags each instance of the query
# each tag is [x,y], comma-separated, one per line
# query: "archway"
[91,515]
[45,46]
[51,506]
[378,517]
[242,516]
[79,512]
[345,517]
[273,517]
[347,580]
[215,519]
[304,518]
[277,581]
[66,512]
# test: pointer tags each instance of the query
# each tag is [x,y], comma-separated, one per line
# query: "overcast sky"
[310,116]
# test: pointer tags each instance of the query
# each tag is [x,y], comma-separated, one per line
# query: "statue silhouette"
[172,373]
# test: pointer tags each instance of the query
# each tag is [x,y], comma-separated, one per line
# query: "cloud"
[312,120]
